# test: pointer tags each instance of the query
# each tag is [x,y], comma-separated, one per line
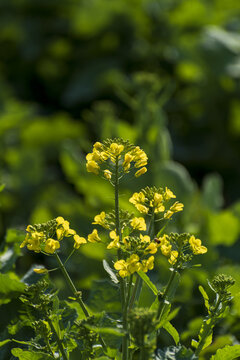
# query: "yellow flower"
[78,240]
[148,264]
[157,202]
[168,194]
[92,166]
[177,206]
[168,214]
[142,208]
[63,228]
[196,246]
[145,238]
[127,160]
[98,146]
[122,267]
[152,248]
[107,174]
[104,155]
[34,241]
[173,257]
[93,237]
[115,244]
[60,220]
[101,220]
[51,246]
[94,156]
[140,157]
[116,149]
[137,198]
[133,264]
[40,271]
[166,249]
[138,223]
[141,171]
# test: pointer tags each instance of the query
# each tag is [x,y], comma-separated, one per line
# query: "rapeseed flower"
[116,152]
[196,246]
[94,237]
[100,219]
[138,223]
[155,200]
[78,241]
[46,237]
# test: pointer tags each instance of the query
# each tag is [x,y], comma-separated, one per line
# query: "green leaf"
[148,282]
[104,296]
[227,353]
[30,355]
[205,297]
[172,331]
[10,286]
[175,353]
[105,330]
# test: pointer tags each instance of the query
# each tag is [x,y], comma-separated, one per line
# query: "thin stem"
[76,293]
[125,322]
[150,233]
[207,329]
[134,292]
[59,341]
[164,297]
[122,283]
[49,347]
[71,285]
[72,252]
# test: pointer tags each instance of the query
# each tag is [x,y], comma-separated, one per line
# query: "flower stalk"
[58,340]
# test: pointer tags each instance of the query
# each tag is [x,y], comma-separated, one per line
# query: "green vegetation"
[163,75]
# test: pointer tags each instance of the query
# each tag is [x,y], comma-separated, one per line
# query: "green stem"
[122,287]
[151,225]
[76,294]
[71,285]
[59,341]
[208,328]
[151,234]
[134,291]
[165,295]
[125,322]
[49,347]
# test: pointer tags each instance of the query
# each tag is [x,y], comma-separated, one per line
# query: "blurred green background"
[163,74]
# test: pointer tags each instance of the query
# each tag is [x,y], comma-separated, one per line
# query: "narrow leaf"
[105,330]
[205,297]
[172,331]
[148,282]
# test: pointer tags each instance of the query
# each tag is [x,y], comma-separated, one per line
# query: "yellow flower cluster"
[155,200]
[166,249]
[133,264]
[46,237]
[167,243]
[118,152]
